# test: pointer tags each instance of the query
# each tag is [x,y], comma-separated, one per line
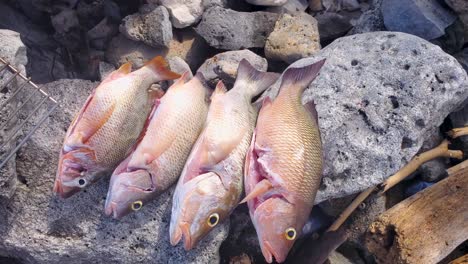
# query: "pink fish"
[211,182]
[174,125]
[284,165]
[108,125]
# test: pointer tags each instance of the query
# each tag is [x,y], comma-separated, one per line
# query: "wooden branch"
[424,228]
[350,209]
[437,152]
[458,132]
[460,260]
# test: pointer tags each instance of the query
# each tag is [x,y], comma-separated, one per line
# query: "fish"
[283,165]
[108,125]
[174,125]
[210,185]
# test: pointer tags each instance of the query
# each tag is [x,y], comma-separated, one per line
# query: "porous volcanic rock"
[378,97]
[37,227]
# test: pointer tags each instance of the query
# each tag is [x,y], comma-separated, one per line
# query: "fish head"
[76,170]
[129,192]
[278,224]
[199,205]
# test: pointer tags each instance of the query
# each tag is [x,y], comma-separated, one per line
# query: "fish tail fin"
[161,68]
[253,81]
[301,77]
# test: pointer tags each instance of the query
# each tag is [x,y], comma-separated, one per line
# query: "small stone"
[337,258]
[461,8]
[101,34]
[340,5]
[291,7]
[433,170]
[267,2]
[153,28]
[228,29]
[424,18]
[184,12]
[371,19]
[332,26]
[294,37]
[177,64]
[187,45]
[105,69]
[223,66]
[65,21]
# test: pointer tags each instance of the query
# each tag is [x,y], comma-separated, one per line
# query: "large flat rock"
[36,227]
[378,97]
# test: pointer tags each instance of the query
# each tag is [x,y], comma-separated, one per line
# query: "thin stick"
[437,152]
[350,209]
[458,132]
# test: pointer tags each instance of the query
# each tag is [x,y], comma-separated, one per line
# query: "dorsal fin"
[301,77]
[125,69]
[160,67]
[252,81]
[219,90]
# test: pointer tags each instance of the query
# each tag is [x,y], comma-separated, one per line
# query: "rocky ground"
[394,83]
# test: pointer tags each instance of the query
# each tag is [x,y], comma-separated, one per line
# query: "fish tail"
[252,81]
[301,77]
[161,68]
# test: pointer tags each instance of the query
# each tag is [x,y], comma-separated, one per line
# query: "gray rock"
[459,118]
[65,21]
[105,69]
[337,258]
[294,37]
[184,13]
[267,2]
[100,35]
[44,61]
[210,3]
[424,18]
[341,5]
[228,29]
[177,64]
[378,95]
[461,8]
[371,19]
[153,28]
[187,45]
[332,26]
[223,66]
[292,7]
[36,227]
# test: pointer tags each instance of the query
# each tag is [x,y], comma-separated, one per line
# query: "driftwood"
[426,227]
[440,151]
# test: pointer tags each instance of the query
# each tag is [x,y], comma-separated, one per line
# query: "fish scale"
[107,126]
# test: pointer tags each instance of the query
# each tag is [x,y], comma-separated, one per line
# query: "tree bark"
[424,228]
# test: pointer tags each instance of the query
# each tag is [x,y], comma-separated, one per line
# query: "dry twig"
[440,151]
[458,132]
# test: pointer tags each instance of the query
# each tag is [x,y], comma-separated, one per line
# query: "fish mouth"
[188,243]
[63,191]
[268,252]
[111,209]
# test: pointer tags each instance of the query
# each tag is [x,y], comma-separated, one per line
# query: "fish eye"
[137,205]
[82,182]
[290,233]
[213,219]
